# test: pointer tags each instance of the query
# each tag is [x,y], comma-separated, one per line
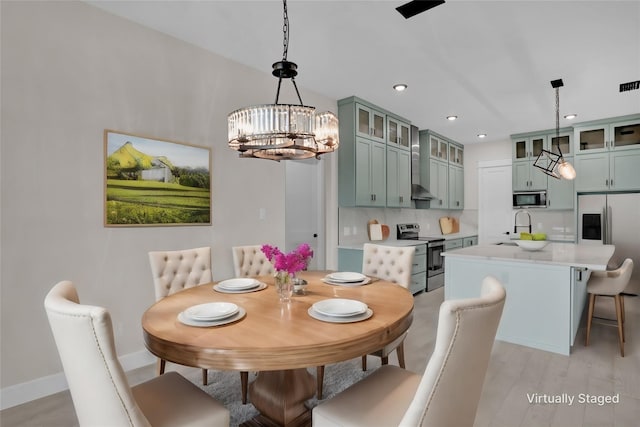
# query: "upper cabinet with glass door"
[398,133]
[370,123]
[528,147]
[438,148]
[617,134]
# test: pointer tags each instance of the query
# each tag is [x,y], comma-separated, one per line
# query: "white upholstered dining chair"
[249,261]
[392,263]
[174,271]
[447,393]
[610,283]
[99,388]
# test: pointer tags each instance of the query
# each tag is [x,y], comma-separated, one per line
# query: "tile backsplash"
[352,222]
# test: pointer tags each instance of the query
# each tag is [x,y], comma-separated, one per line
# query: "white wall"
[69,71]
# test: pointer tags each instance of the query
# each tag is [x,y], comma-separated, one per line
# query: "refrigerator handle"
[609,224]
[605,225]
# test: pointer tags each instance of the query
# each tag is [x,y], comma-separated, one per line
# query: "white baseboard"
[45,386]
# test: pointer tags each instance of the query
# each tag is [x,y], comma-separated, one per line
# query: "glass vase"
[284,285]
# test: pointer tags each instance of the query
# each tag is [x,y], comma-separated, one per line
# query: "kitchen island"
[546,289]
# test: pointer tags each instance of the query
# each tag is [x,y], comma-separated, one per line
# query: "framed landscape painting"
[152,182]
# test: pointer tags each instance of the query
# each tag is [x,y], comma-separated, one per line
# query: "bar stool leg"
[619,320]
[592,301]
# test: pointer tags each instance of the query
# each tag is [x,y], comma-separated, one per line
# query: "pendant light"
[554,164]
[283,131]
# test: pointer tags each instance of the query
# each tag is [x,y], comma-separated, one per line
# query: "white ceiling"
[488,62]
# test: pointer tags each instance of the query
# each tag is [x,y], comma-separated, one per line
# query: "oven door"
[435,261]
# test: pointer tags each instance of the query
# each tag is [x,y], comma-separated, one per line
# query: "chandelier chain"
[285,30]
[558,113]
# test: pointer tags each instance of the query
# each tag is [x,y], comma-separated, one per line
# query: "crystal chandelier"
[554,164]
[283,131]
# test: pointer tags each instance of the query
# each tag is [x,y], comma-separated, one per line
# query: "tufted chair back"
[99,388]
[174,271]
[392,263]
[97,382]
[450,389]
[249,261]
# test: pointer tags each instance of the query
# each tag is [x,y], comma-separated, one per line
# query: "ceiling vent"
[629,86]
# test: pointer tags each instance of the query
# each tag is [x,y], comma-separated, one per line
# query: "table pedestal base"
[280,398]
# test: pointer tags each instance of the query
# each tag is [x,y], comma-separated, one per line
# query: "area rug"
[225,385]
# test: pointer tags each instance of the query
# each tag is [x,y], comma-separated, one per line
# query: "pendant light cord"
[285,31]
[285,45]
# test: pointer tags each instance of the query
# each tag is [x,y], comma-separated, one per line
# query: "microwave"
[530,199]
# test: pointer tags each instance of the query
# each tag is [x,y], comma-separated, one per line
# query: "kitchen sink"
[506,244]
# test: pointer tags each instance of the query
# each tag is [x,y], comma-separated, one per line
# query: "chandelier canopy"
[283,131]
[554,164]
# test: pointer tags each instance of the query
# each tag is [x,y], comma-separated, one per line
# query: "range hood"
[418,190]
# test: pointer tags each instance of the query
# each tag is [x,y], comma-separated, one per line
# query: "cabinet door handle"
[612,183]
[606,182]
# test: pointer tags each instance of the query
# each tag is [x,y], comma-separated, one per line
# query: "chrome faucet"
[515,220]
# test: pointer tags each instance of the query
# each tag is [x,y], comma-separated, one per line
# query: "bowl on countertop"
[532,245]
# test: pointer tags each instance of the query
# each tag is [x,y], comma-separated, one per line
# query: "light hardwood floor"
[514,373]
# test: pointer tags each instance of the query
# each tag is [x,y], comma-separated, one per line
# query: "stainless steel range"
[435,247]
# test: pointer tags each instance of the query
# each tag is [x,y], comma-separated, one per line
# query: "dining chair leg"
[244,383]
[161,365]
[400,354]
[619,320]
[385,360]
[364,363]
[622,305]
[592,301]
[205,377]
[319,381]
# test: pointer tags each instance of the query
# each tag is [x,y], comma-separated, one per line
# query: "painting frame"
[155,182]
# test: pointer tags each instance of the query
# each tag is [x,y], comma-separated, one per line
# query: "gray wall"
[69,71]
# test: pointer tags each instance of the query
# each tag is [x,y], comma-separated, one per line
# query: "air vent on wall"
[629,86]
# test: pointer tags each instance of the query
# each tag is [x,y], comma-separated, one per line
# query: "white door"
[304,205]
[495,204]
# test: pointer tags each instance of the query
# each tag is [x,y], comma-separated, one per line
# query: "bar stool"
[610,283]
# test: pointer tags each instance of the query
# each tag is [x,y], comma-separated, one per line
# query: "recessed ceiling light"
[452,118]
[400,87]
[482,135]
[570,116]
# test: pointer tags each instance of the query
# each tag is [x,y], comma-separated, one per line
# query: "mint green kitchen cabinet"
[366,178]
[371,123]
[469,241]
[456,187]
[370,173]
[445,167]
[608,155]
[438,184]
[398,177]
[527,148]
[527,177]
[451,244]
[561,192]
[398,133]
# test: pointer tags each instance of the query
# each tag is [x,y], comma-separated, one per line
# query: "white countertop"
[396,242]
[593,257]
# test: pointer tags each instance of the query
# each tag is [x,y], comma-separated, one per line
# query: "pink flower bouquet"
[292,262]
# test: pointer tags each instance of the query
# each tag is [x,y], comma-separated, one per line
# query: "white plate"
[333,282]
[346,276]
[260,287]
[211,311]
[238,284]
[182,318]
[339,307]
[332,319]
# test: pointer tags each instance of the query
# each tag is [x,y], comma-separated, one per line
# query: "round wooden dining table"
[278,340]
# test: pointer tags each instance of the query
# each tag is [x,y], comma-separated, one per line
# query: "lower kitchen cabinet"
[453,244]
[469,241]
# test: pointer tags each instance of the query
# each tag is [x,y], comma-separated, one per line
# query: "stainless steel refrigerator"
[613,219]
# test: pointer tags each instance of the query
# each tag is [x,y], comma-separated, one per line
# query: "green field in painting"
[151,202]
